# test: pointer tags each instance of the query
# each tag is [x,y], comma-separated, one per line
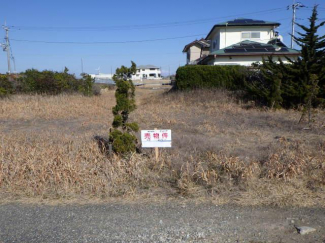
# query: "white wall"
[102,76]
[147,74]
[224,37]
[242,60]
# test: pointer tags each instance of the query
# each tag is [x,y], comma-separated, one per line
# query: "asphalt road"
[157,222]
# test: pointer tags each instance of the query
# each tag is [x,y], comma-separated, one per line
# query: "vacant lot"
[222,149]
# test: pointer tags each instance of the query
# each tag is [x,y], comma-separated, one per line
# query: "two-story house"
[147,72]
[245,41]
[196,51]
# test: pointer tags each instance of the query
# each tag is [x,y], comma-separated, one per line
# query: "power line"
[145,26]
[109,42]
[106,42]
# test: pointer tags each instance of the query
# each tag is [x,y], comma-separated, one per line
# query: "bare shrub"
[212,170]
[96,89]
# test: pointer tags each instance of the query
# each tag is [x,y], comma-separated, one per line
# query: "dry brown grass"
[221,150]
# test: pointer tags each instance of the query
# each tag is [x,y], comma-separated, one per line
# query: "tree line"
[46,82]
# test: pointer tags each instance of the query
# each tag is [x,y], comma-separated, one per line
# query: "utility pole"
[14,62]
[6,46]
[294,7]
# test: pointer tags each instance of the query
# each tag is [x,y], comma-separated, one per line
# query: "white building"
[245,41]
[147,72]
[105,78]
[102,76]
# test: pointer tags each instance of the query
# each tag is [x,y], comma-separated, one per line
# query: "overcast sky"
[178,22]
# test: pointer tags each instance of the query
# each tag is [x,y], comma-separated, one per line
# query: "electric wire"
[134,27]
[106,42]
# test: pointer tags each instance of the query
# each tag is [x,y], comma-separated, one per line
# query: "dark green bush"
[273,85]
[47,82]
[6,87]
[85,85]
[199,76]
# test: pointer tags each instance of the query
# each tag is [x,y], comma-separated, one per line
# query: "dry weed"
[68,169]
[220,149]
[287,163]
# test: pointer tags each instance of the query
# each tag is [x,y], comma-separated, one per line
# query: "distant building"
[102,76]
[105,78]
[147,72]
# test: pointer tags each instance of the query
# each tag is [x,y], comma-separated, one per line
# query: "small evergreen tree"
[266,84]
[310,67]
[86,86]
[122,135]
[272,74]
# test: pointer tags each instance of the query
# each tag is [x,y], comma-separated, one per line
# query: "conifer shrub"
[201,76]
[122,135]
[271,85]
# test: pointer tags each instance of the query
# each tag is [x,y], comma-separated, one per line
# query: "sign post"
[156,139]
[156,150]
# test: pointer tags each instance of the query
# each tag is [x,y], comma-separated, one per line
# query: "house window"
[256,35]
[152,69]
[152,75]
[245,35]
[159,75]
[143,70]
[251,35]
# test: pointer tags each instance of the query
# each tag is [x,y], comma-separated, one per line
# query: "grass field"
[223,150]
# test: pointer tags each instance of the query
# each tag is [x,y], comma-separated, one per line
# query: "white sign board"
[156,138]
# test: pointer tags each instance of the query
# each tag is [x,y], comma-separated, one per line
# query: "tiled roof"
[254,48]
[243,22]
[203,43]
[247,22]
[146,66]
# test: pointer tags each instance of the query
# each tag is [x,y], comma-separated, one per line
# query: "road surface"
[157,222]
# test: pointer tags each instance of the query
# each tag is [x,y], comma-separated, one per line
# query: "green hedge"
[201,76]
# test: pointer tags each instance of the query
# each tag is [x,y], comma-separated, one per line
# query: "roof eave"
[256,54]
[241,25]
